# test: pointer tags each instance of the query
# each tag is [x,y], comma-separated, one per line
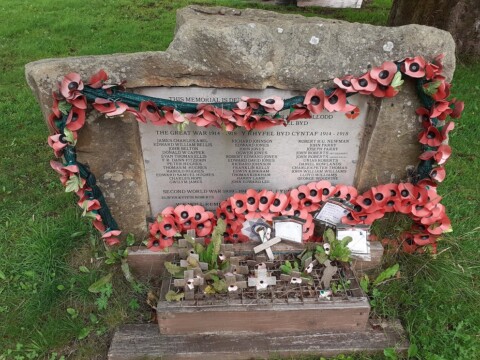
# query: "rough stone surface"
[251,49]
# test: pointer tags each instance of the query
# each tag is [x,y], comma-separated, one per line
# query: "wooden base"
[144,341]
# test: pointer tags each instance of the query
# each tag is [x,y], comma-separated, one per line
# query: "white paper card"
[332,213]
[289,230]
[359,240]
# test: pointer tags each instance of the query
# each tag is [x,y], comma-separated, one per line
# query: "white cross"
[265,246]
[261,280]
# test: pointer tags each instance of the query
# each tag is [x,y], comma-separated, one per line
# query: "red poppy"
[449,126]
[348,193]
[97,80]
[65,171]
[441,109]
[299,112]
[225,211]
[239,203]
[407,191]
[265,199]
[120,108]
[438,173]
[289,210]
[408,244]
[313,194]
[299,194]
[204,228]
[420,211]
[364,84]
[150,111]
[457,108]
[381,195]
[158,244]
[200,214]
[172,115]
[385,91]
[307,232]
[435,68]
[384,74]
[110,237]
[345,83]
[183,213]
[89,204]
[442,90]
[265,122]
[98,223]
[440,155]
[205,116]
[168,226]
[315,100]
[353,114]
[430,136]
[248,103]
[440,226]
[423,239]
[279,202]
[414,67]
[336,101]
[252,200]
[367,201]
[103,105]
[273,104]
[57,142]
[75,119]
[71,86]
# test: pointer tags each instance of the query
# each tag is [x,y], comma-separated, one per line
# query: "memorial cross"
[266,246]
[235,282]
[226,252]
[190,280]
[193,261]
[262,279]
[328,274]
[295,277]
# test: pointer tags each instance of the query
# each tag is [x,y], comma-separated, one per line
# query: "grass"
[44,242]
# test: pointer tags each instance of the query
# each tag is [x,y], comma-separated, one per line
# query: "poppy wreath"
[417,199]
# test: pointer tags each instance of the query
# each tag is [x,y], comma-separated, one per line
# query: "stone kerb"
[249,49]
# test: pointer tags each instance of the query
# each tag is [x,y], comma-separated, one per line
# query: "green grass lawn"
[49,256]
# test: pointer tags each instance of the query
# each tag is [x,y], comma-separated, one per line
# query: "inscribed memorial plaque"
[206,165]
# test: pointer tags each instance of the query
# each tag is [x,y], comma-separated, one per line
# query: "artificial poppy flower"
[239,203]
[168,211]
[353,114]
[380,195]
[354,218]
[348,193]
[246,103]
[434,68]
[89,204]
[265,122]
[65,171]
[420,211]
[279,202]
[407,191]
[299,112]
[167,226]
[392,204]
[384,74]
[345,83]
[205,115]
[265,199]
[326,189]
[110,237]
[364,84]
[441,109]
[252,200]
[440,155]
[423,239]
[449,126]
[367,201]
[120,108]
[408,244]
[336,101]
[71,86]
[289,210]
[75,119]
[386,91]
[457,108]
[79,102]
[273,104]
[309,205]
[440,226]
[158,244]
[172,115]
[437,212]
[97,80]
[247,122]
[225,210]
[150,111]
[315,100]
[299,193]
[57,142]
[430,136]
[184,213]
[204,228]
[307,233]
[103,105]
[440,86]
[438,173]
[98,223]
[414,67]
[200,214]
[313,194]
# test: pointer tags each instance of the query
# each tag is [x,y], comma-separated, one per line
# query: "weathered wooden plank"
[147,264]
[144,341]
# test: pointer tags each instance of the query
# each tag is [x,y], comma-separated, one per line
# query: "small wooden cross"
[328,274]
[236,268]
[235,282]
[262,279]
[266,246]
[226,252]
[189,282]
[310,264]
[185,247]
[295,277]
[193,262]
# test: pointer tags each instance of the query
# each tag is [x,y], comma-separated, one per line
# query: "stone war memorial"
[250,159]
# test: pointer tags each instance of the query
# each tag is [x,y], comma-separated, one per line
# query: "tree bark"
[459,17]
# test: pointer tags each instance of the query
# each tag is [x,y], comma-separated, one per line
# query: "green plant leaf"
[73,184]
[386,274]
[130,240]
[72,312]
[329,235]
[173,296]
[172,268]
[220,286]
[390,353]
[83,269]
[2,275]
[190,239]
[69,136]
[412,350]
[397,80]
[64,107]
[431,88]
[84,333]
[364,282]
[126,271]
[98,285]
[93,318]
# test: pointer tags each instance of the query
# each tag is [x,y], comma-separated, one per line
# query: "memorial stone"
[228,53]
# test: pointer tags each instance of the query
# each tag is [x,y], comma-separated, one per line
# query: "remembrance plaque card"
[206,165]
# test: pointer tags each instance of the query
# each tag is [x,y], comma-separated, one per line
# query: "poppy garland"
[418,199]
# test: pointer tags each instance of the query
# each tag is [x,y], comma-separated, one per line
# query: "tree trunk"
[459,17]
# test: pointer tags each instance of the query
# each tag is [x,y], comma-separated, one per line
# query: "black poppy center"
[308,203]
[430,135]
[223,216]
[276,202]
[263,200]
[188,223]
[346,83]
[337,194]
[225,234]
[229,209]
[270,101]
[251,200]
[73,85]
[418,207]
[184,215]
[239,203]
[151,108]
[313,192]
[414,67]
[434,173]
[251,119]
[393,192]
[333,99]
[357,208]
[363,82]
[288,207]
[409,241]
[200,226]
[62,139]
[363,217]
[379,196]
[301,196]
[404,193]
[349,216]
[384,74]
[167,226]
[315,100]
[156,243]
[391,203]
[425,237]
[296,213]
[367,201]
[348,197]
[198,216]
[325,191]
[74,117]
